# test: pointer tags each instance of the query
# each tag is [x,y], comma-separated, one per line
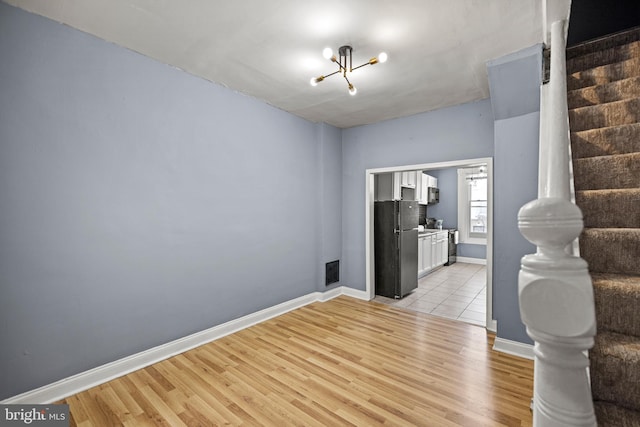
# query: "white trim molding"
[463,202]
[356,293]
[479,261]
[101,374]
[492,325]
[513,348]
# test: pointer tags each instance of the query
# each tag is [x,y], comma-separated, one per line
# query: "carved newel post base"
[557,306]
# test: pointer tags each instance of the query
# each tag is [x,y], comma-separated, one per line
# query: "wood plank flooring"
[344,362]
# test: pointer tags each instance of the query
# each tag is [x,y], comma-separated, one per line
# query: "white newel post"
[554,287]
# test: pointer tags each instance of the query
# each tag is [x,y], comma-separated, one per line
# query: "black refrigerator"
[396,247]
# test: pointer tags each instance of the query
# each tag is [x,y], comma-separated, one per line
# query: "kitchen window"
[472,205]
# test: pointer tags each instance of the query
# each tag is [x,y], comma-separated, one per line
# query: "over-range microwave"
[433,195]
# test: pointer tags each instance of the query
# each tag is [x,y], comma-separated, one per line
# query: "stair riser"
[605,115]
[603,57]
[609,209]
[609,415]
[620,38]
[618,308]
[611,250]
[611,92]
[614,378]
[608,172]
[604,74]
[606,141]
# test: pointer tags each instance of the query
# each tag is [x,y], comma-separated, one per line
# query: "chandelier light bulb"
[382,58]
[327,53]
[352,90]
[313,81]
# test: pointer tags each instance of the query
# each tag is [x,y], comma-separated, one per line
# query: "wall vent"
[332,272]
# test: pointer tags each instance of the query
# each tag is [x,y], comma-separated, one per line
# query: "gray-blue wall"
[514,81]
[329,199]
[141,204]
[447,209]
[455,133]
[516,155]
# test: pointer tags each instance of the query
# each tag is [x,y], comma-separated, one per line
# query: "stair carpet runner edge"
[603,85]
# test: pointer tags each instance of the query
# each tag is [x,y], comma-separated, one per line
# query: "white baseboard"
[492,326]
[479,261]
[513,348]
[101,374]
[355,293]
[330,294]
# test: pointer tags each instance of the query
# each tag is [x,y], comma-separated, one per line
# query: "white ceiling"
[270,49]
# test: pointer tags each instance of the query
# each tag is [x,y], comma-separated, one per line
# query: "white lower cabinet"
[424,255]
[420,263]
[444,247]
[433,251]
[427,259]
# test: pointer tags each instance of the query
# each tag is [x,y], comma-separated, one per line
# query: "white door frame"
[369,239]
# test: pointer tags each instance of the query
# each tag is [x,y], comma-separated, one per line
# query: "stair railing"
[554,287]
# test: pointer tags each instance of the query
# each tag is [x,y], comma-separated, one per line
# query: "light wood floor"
[341,362]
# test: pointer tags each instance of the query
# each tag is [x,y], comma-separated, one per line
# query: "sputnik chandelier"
[345,66]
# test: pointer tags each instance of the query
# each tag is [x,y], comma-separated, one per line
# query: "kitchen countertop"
[429,231]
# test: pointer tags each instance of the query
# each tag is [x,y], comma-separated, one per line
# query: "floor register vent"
[332,272]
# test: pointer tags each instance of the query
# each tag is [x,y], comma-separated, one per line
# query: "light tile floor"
[458,291]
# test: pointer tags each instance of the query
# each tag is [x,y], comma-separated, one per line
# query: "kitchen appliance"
[396,247]
[433,196]
[453,250]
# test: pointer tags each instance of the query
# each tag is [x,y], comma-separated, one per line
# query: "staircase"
[603,84]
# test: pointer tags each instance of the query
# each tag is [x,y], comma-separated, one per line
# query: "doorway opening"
[477,269]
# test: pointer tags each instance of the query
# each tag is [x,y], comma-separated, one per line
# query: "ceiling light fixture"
[345,65]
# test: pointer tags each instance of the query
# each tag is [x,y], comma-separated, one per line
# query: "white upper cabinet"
[408,179]
[397,185]
[422,193]
[387,186]
[431,181]
[424,181]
